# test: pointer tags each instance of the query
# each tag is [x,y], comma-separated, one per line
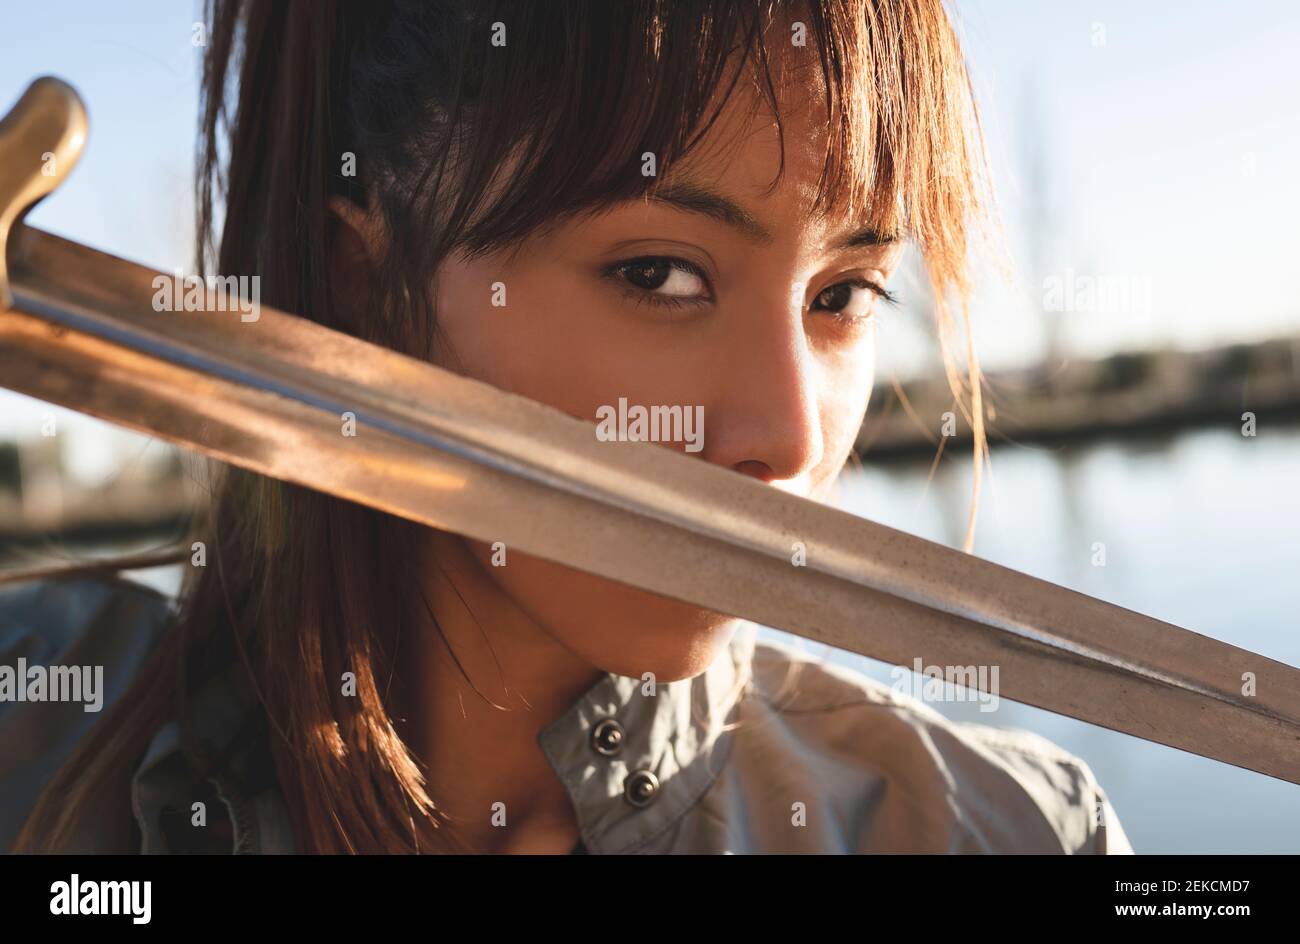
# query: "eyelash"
[645,296]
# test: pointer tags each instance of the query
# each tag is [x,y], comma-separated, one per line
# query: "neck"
[478,680]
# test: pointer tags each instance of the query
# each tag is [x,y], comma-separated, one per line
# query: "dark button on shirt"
[641,788]
[607,737]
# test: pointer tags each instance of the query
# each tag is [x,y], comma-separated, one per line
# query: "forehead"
[741,153]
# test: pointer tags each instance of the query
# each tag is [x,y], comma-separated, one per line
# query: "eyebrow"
[695,199]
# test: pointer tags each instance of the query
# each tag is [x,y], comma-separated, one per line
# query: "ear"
[357,233]
[354,253]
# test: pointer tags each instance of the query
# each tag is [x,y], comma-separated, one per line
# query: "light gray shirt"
[809,758]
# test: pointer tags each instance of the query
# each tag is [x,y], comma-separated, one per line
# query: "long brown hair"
[301,586]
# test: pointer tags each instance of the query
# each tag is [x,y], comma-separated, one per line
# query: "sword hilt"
[41,140]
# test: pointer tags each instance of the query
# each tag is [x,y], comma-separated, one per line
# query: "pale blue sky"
[1172,156]
[1169,154]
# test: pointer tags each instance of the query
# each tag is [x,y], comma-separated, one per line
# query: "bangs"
[562,118]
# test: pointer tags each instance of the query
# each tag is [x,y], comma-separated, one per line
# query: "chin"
[627,631]
[614,627]
[676,640]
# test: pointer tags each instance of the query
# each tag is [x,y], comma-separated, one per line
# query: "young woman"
[686,202]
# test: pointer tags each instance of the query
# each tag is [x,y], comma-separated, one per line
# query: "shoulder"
[69,647]
[902,777]
[96,620]
[59,612]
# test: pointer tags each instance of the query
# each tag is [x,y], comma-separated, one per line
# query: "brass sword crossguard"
[41,140]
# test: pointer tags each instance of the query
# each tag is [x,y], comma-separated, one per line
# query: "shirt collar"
[636,757]
[633,756]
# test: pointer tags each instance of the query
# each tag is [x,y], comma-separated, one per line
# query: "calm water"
[1201,529]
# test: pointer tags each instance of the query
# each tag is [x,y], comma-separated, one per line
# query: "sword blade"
[79,328]
[459,455]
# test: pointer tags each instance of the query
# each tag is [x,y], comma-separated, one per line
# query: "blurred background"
[1146,163]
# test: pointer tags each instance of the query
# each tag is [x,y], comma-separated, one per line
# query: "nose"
[765,420]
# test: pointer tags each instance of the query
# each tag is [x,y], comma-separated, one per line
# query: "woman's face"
[715,293]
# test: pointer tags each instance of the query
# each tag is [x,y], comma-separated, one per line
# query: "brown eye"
[836,297]
[649,274]
[664,280]
[852,300]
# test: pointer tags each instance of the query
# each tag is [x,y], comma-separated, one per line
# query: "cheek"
[846,392]
[484,326]
[538,331]
[853,374]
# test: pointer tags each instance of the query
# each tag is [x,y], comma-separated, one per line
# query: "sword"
[79,328]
